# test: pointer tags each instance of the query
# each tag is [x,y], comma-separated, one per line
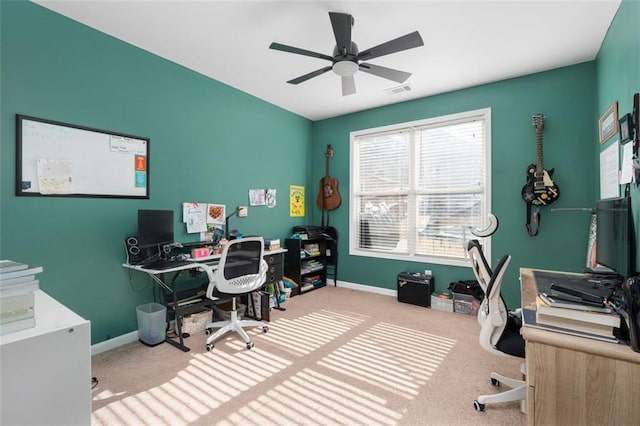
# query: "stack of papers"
[17,286]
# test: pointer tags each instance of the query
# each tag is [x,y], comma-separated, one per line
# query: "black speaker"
[134,253]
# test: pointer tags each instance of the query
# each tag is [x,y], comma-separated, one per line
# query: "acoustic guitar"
[328,196]
[539,190]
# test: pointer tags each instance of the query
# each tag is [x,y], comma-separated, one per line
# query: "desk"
[577,381]
[166,278]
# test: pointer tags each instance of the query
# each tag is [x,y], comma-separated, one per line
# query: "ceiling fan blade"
[399,44]
[384,72]
[291,49]
[341,23]
[348,85]
[308,76]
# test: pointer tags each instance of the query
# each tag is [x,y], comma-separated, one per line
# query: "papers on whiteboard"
[55,176]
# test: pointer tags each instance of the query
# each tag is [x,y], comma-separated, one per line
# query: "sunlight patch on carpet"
[397,359]
[315,399]
[303,335]
[210,380]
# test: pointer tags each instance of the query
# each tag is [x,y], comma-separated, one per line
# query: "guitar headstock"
[538,122]
[329,152]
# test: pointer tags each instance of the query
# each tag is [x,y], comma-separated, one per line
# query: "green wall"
[567,99]
[209,143]
[618,78]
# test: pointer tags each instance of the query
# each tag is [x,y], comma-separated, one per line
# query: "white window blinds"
[418,188]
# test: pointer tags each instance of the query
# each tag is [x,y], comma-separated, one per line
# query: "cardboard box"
[196,322]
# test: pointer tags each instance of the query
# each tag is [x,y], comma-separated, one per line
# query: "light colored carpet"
[335,356]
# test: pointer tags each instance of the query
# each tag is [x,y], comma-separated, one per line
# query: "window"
[417,189]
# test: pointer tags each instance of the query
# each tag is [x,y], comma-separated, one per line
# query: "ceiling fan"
[346,59]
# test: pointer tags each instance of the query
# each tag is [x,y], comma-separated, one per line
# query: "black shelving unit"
[306,262]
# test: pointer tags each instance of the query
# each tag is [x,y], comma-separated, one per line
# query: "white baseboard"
[367,288]
[114,343]
[133,336]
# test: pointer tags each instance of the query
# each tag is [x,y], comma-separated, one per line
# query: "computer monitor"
[155,227]
[614,235]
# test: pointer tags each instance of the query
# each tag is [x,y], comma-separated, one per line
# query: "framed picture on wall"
[608,123]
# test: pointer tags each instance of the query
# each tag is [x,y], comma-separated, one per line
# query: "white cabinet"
[45,371]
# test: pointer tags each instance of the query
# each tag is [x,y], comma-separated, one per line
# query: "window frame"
[354,250]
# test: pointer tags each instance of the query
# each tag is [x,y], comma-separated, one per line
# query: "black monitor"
[614,235]
[155,227]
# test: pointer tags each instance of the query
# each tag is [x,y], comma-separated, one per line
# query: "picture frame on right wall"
[608,123]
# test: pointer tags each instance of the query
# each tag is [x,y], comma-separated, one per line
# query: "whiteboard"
[60,159]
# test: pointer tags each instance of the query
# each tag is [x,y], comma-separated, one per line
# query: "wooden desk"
[577,381]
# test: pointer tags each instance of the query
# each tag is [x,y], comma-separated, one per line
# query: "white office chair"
[242,270]
[500,335]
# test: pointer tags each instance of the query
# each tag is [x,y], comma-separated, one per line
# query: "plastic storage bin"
[152,320]
[465,304]
[442,301]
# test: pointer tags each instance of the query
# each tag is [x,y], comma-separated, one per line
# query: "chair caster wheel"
[249,345]
[207,331]
[478,406]
[265,329]
[495,382]
[209,347]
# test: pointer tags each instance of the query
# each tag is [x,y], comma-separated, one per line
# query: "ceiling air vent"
[398,89]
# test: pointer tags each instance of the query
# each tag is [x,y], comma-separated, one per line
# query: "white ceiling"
[467,43]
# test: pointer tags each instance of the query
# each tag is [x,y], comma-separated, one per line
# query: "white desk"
[166,278]
[46,369]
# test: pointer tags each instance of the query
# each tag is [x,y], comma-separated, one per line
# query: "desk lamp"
[239,211]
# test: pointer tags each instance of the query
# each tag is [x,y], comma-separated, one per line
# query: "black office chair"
[499,333]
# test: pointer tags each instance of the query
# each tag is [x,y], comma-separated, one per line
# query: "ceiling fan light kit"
[346,59]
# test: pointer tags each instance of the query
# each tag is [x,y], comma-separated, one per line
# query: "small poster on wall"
[296,201]
[609,171]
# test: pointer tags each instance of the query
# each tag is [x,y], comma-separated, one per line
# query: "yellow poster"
[296,201]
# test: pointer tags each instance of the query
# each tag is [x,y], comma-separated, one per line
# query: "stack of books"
[314,280]
[311,266]
[17,302]
[580,318]
[311,250]
[272,244]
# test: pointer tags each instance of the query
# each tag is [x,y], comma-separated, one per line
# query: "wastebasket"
[152,319]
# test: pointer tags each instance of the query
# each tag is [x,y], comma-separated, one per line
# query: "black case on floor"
[415,288]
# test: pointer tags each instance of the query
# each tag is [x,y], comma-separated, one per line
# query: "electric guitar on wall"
[328,196]
[539,190]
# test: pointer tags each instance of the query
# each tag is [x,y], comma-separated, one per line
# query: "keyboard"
[161,265]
